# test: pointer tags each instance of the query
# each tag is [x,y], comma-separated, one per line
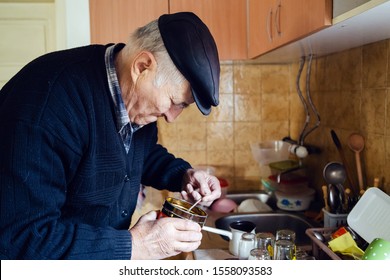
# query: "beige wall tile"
[246,79]
[191,137]
[275,79]
[373,115]
[226,80]
[246,133]
[247,108]
[220,136]
[224,112]
[388,63]
[375,59]
[194,157]
[275,107]
[274,130]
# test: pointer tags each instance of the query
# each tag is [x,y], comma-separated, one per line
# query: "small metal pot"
[178,208]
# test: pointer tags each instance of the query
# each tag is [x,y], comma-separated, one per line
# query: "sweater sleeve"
[33,188]
[163,170]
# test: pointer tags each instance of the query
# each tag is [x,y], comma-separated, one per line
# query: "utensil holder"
[334,220]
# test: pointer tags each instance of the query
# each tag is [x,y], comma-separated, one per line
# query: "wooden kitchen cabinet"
[274,23]
[113,21]
[227,21]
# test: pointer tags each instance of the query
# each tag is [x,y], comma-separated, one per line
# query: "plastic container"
[334,220]
[224,186]
[295,202]
[270,151]
[207,168]
[290,183]
[282,166]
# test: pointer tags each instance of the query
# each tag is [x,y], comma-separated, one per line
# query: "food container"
[295,202]
[207,168]
[270,151]
[178,208]
[283,166]
[224,186]
[290,183]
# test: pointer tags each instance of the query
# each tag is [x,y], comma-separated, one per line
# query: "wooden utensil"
[356,144]
[325,194]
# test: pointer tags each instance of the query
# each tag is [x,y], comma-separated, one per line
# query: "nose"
[172,114]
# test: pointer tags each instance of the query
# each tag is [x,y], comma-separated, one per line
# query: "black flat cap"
[193,50]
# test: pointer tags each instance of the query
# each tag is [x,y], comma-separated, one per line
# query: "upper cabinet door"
[261,27]
[300,18]
[113,21]
[273,23]
[227,21]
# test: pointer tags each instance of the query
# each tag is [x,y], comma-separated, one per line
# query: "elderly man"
[79,136]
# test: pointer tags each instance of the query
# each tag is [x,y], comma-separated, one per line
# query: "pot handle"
[218,231]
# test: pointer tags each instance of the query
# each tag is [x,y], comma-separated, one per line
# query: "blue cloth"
[68,188]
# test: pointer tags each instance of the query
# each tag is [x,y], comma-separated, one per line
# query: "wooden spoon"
[325,195]
[356,144]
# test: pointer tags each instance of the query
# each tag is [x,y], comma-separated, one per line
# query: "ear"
[143,61]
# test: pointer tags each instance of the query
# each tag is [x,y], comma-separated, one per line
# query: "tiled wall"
[351,91]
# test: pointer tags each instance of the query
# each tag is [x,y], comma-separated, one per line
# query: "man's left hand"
[198,184]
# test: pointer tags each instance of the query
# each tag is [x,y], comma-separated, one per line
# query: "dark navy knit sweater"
[67,187]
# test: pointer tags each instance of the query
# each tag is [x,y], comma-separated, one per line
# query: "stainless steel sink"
[271,222]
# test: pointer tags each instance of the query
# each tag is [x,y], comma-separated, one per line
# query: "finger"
[185,225]
[184,195]
[196,195]
[189,188]
[215,189]
[186,246]
[188,236]
[150,216]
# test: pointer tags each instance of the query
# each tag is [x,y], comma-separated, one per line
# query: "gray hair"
[148,38]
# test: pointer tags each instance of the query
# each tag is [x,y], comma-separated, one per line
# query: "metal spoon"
[334,199]
[319,236]
[334,173]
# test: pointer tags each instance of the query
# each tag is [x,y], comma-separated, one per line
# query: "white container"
[296,201]
[370,217]
[270,151]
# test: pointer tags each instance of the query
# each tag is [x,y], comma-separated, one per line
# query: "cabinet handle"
[269,25]
[277,18]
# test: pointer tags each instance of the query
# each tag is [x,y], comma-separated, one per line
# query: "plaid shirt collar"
[123,125]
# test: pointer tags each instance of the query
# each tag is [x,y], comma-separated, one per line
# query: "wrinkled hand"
[199,184]
[162,238]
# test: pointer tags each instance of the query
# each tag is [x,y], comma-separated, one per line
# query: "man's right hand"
[154,238]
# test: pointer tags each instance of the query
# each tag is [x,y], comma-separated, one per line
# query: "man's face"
[167,101]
